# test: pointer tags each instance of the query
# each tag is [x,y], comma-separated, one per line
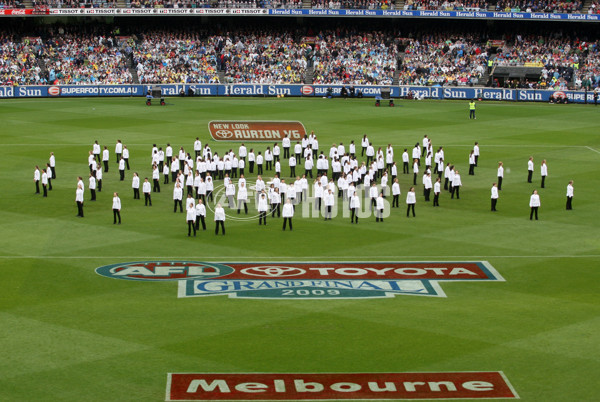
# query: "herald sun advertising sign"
[256,130]
[338,386]
[306,280]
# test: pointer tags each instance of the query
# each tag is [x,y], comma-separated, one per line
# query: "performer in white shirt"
[116,207]
[45,182]
[52,162]
[288,213]
[534,204]
[411,200]
[177,198]
[190,218]
[494,196]
[570,195]
[146,188]
[395,193]
[263,207]
[219,219]
[380,206]
[118,150]
[354,208]
[96,150]
[476,153]
[500,175]
[36,178]
[122,169]
[544,172]
[530,169]
[79,200]
[456,184]
[328,200]
[200,215]
[437,186]
[135,184]
[126,156]
[92,181]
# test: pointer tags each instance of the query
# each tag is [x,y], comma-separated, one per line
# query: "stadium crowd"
[540,6]
[354,58]
[355,4]
[443,59]
[67,55]
[175,57]
[456,5]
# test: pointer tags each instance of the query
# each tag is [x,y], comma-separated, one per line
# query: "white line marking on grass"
[592,149]
[444,258]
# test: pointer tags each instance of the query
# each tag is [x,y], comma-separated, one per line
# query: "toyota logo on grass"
[273,271]
[224,134]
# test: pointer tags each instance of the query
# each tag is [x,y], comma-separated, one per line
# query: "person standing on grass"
[146,188]
[494,196]
[263,206]
[52,162]
[436,192]
[79,200]
[116,207]
[126,156]
[395,193]
[219,219]
[118,150]
[91,161]
[530,169]
[242,198]
[570,195]
[135,184]
[534,204]
[49,174]
[354,207]
[405,160]
[544,172]
[92,187]
[288,213]
[99,175]
[379,208]
[122,169]
[456,184]
[200,215]
[415,171]
[105,158]
[96,150]
[177,198]
[45,182]
[411,200]
[472,110]
[190,218]
[36,179]
[500,175]
[155,177]
[427,185]
[472,164]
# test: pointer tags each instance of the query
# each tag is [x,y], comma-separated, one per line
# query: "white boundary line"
[592,149]
[443,258]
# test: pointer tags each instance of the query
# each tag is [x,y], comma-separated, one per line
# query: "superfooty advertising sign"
[337,386]
[307,280]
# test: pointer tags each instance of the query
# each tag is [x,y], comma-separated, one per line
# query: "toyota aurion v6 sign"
[256,130]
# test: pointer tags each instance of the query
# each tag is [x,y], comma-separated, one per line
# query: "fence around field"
[257,90]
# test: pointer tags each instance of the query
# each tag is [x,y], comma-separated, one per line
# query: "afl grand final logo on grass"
[306,280]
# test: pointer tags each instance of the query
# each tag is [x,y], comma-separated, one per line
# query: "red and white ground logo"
[337,386]
[307,90]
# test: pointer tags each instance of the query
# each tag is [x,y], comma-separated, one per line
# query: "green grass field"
[68,334]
